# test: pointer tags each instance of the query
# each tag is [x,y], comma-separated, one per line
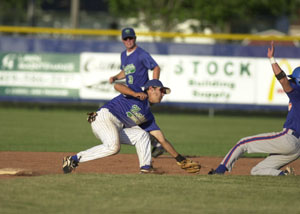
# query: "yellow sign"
[272,88]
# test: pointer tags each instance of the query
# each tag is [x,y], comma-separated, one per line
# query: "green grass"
[79,193]
[68,131]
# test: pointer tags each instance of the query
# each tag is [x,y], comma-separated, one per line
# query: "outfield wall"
[218,76]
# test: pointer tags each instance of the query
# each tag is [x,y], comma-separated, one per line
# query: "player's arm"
[164,142]
[119,76]
[278,72]
[156,72]
[123,89]
[147,60]
[186,164]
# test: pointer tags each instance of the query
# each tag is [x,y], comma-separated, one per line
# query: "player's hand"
[271,50]
[140,95]
[112,79]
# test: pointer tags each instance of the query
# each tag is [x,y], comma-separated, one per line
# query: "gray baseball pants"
[283,147]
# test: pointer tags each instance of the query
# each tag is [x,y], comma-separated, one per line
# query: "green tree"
[156,14]
[17,12]
[226,14]
[220,15]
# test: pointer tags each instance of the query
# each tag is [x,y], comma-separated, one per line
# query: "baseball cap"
[128,32]
[296,75]
[157,83]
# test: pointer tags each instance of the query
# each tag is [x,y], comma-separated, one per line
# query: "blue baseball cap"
[296,75]
[157,83]
[128,32]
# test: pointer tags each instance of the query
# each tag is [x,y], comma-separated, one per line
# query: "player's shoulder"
[141,50]
[142,54]
[123,53]
[295,88]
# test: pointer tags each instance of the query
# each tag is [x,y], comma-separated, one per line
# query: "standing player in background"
[135,64]
[283,147]
[128,120]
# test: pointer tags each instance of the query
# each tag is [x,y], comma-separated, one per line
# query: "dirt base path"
[43,163]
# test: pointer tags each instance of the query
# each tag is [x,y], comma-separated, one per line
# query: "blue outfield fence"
[39,45]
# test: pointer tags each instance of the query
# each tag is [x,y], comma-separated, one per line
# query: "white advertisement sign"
[95,70]
[229,80]
[210,79]
[195,79]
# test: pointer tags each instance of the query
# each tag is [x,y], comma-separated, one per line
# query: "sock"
[75,158]
[146,167]
[221,169]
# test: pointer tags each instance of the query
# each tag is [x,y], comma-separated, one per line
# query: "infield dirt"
[43,163]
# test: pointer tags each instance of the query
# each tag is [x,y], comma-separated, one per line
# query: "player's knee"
[144,135]
[259,171]
[254,171]
[114,149]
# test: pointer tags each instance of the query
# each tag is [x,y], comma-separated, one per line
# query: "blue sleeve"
[150,126]
[135,88]
[148,61]
[122,56]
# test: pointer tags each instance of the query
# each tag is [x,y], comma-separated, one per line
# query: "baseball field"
[34,141]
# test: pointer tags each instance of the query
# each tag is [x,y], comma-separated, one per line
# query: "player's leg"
[157,149]
[290,151]
[272,164]
[106,128]
[141,140]
[262,143]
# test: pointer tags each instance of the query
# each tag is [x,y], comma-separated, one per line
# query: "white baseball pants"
[110,131]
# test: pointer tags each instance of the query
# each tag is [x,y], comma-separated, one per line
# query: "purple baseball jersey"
[132,111]
[293,117]
[136,66]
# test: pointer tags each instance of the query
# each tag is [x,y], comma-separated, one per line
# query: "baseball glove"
[92,117]
[189,166]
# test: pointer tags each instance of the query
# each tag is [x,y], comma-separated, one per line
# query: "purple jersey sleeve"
[131,111]
[147,60]
[150,126]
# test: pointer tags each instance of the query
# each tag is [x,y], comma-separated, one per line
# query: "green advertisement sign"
[39,75]
[39,62]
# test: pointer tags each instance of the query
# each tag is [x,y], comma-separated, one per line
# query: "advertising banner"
[226,80]
[195,79]
[39,75]
[211,79]
[192,79]
[95,70]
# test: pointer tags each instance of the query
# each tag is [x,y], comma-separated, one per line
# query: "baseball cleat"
[69,164]
[214,172]
[157,151]
[150,170]
[289,171]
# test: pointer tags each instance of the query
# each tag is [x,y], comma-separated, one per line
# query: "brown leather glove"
[92,116]
[189,166]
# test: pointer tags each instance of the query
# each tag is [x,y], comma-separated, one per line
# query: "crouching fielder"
[283,147]
[128,120]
